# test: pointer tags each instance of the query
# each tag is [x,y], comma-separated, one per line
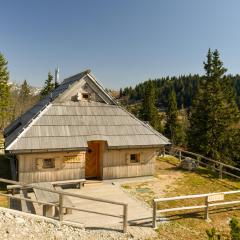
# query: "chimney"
[56,77]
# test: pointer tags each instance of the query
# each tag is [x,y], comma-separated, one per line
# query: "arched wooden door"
[92,160]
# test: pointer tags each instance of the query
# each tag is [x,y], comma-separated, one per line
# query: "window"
[135,158]
[48,163]
[85,96]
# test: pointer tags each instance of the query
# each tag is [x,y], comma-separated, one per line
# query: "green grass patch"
[169,159]
[189,224]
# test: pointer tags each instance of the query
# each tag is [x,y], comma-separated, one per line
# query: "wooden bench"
[78,182]
[26,206]
[66,202]
[46,196]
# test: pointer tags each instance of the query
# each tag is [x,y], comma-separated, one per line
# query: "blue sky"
[124,42]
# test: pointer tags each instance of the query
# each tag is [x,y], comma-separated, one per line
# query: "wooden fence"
[61,205]
[220,167]
[211,200]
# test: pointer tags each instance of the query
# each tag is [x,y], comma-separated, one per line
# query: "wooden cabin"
[78,131]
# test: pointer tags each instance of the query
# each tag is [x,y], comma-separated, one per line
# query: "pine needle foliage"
[149,111]
[214,114]
[4,93]
[49,86]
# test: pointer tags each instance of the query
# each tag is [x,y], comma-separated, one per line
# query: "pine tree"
[214,114]
[171,123]
[24,96]
[120,93]
[25,90]
[48,87]
[4,93]
[173,128]
[148,111]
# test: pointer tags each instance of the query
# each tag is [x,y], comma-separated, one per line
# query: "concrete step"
[90,183]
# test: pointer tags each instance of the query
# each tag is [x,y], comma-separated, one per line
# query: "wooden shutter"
[128,158]
[39,163]
[58,163]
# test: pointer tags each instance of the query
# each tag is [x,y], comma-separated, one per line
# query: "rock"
[19,220]
[16,226]
[189,164]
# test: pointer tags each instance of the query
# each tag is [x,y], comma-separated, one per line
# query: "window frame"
[137,156]
[45,167]
[86,96]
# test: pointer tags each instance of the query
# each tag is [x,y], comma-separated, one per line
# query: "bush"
[235,229]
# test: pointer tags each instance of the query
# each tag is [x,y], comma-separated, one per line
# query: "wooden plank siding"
[29,171]
[112,164]
[116,165]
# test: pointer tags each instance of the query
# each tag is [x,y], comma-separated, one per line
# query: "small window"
[85,96]
[48,163]
[135,158]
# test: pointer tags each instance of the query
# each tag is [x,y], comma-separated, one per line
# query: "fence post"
[206,209]
[154,221]
[180,155]
[60,207]
[220,171]
[9,203]
[125,217]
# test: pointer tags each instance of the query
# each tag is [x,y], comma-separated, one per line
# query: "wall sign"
[73,159]
[216,197]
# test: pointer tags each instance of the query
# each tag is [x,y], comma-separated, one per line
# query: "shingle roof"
[52,125]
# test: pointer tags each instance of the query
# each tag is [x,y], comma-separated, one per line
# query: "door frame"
[99,168]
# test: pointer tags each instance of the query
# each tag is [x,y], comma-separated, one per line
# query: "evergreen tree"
[148,111]
[24,96]
[171,123]
[173,129]
[48,87]
[4,93]
[120,93]
[214,114]
[25,91]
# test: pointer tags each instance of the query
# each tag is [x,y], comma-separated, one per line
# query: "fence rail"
[211,200]
[220,167]
[61,205]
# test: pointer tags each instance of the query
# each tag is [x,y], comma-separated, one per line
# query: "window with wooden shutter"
[48,163]
[133,158]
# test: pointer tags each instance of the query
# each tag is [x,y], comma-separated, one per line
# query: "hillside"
[185,87]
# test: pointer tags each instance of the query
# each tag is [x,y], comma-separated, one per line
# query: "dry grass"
[171,181]
[3,201]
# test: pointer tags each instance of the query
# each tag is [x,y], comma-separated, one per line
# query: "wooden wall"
[65,167]
[113,164]
[116,163]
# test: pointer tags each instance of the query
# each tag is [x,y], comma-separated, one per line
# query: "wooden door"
[92,160]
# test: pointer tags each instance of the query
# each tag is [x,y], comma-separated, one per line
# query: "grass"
[188,224]
[3,200]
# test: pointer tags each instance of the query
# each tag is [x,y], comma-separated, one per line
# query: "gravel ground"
[14,225]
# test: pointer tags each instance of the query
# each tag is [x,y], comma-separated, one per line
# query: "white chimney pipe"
[56,76]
